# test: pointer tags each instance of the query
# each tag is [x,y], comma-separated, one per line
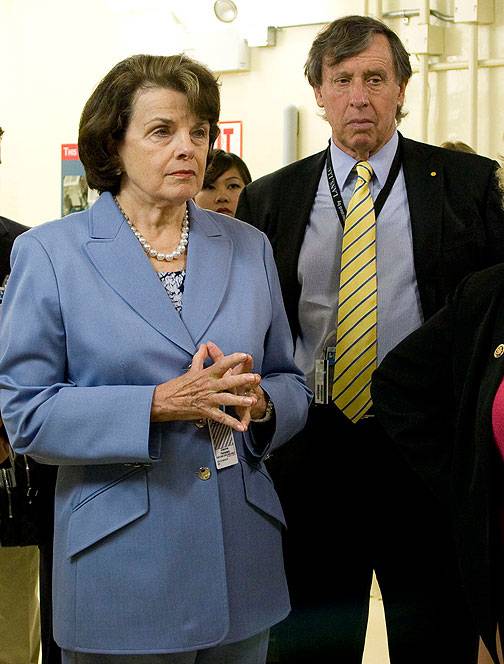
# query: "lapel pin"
[499,351]
[433,174]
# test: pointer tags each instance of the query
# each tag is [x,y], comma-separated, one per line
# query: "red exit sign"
[230,138]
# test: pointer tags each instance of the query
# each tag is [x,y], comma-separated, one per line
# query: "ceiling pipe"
[290,135]
[472,60]
[410,13]
[423,63]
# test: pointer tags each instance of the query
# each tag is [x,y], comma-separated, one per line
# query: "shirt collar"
[381,162]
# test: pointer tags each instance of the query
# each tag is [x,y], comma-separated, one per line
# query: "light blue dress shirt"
[399,307]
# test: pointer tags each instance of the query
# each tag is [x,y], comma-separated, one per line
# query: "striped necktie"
[356,325]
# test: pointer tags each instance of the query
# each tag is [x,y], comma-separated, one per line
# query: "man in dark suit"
[9,230]
[352,505]
[30,523]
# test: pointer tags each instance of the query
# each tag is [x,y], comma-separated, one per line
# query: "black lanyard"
[382,196]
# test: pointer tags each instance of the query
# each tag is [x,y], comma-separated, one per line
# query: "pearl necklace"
[152,253]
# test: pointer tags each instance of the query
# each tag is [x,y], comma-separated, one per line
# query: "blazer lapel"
[423,175]
[209,258]
[493,363]
[120,260]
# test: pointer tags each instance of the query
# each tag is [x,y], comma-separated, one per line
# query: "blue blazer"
[148,557]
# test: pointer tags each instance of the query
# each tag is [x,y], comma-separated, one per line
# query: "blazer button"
[204,473]
[499,351]
[200,424]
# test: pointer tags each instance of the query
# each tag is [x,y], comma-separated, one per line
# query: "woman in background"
[225,177]
[145,350]
[458,146]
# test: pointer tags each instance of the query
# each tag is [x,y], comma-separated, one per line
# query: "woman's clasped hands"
[203,391]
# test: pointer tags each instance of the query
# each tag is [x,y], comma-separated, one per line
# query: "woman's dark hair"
[349,36]
[108,111]
[220,161]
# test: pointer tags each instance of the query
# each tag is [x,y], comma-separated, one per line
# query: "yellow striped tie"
[356,325]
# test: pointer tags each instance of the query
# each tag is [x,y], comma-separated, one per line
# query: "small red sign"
[230,138]
[70,152]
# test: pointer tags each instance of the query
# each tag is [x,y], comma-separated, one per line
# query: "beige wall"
[52,53]
[276,81]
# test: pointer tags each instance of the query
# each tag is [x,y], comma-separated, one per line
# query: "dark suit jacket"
[456,218]
[32,523]
[434,393]
[9,230]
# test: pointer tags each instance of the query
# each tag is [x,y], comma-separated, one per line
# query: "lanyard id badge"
[224,448]
[337,197]
[324,376]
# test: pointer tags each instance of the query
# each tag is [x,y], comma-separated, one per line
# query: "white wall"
[53,53]
[277,80]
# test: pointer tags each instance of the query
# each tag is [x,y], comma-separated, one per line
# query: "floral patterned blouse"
[173,283]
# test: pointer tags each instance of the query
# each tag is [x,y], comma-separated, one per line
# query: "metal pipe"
[377,13]
[473,83]
[423,58]
[290,134]
[409,13]
[424,95]
[453,66]
[424,12]
[442,17]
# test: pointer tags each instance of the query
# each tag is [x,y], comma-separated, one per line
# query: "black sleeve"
[243,209]
[413,397]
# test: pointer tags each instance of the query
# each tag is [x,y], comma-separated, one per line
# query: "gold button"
[499,351]
[204,473]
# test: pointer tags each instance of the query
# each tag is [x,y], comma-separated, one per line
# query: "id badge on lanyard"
[223,444]
[324,376]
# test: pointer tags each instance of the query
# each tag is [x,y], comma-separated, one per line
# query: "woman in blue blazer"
[145,350]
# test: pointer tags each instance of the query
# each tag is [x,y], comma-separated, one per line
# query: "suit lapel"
[208,271]
[423,175]
[294,207]
[122,263]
